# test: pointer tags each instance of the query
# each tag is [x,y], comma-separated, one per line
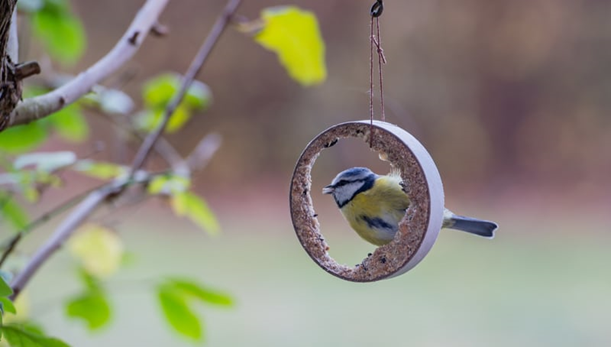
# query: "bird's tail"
[472,225]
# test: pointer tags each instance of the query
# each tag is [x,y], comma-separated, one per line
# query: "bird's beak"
[328,189]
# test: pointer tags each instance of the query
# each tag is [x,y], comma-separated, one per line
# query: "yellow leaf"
[168,184]
[179,204]
[100,169]
[187,204]
[179,118]
[22,306]
[149,120]
[294,35]
[31,194]
[99,249]
[157,185]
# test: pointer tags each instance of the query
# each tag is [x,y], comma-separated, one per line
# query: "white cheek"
[346,192]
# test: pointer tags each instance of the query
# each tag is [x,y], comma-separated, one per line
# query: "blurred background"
[511,98]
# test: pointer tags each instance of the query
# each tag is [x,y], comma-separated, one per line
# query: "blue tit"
[374,205]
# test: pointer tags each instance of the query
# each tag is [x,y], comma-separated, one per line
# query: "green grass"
[526,287]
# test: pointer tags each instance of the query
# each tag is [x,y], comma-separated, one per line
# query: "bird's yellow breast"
[375,213]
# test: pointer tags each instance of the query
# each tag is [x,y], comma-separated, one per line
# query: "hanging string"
[371,82]
[381,60]
[376,44]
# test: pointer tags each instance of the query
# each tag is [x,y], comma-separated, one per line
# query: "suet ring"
[417,231]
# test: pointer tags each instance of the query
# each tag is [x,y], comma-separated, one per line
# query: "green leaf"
[5,288]
[45,161]
[179,118]
[198,97]
[7,305]
[31,327]
[22,138]
[92,307]
[149,120]
[29,182]
[90,282]
[158,185]
[293,34]
[158,92]
[13,213]
[178,314]
[21,306]
[70,123]
[6,276]
[60,31]
[21,336]
[187,204]
[168,184]
[202,293]
[30,193]
[99,169]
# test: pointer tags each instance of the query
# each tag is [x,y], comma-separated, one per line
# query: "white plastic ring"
[417,231]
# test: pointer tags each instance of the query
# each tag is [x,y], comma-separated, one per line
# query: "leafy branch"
[198,61]
[169,102]
[96,198]
[12,243]
[42,106]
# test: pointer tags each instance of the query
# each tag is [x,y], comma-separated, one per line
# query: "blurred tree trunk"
[10,85]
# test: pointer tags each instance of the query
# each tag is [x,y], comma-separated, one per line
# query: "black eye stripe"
[343,183]
[367,183]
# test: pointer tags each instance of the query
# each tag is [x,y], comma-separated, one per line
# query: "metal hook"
[376,9]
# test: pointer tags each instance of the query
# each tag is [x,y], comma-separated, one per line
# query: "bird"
[374,205]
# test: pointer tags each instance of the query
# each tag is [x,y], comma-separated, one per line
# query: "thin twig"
[82,211]
[198,61]
[61,234]
[41,106]
[10,248]
[144,20]
[44,105]
[163,148]
[12,243]
[96,198]
[204,151]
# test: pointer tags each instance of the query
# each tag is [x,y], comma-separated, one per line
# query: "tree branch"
[96,198]
[82,211]
[165,150]
[10,245]
[196,65]
[10,87]
[41,106]
[61,234]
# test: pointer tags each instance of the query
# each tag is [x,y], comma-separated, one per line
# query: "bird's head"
[348,183]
